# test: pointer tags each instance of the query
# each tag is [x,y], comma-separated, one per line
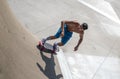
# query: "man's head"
[85,26]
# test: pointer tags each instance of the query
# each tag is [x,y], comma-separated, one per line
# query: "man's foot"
[40,43]
[43,41]
[41,46]
[55,48]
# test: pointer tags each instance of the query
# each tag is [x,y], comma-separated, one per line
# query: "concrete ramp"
[19,56]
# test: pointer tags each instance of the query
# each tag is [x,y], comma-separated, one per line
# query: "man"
[65,32]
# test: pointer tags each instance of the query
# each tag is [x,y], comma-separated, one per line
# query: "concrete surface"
[98,56]
[19,56]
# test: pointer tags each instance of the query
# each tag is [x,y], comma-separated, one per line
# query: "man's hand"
[76,48]
[62,34]
[79,42]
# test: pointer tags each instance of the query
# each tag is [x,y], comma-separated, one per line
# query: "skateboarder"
[65,32]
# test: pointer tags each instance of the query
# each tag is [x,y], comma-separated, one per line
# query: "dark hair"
[85,26]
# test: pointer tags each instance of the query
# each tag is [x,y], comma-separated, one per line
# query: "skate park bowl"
[98,56]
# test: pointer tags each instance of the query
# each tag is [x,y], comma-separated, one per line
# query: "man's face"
[81,26]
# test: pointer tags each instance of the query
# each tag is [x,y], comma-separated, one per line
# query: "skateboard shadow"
[45,49]
[49,69]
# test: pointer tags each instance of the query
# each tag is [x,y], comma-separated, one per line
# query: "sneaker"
[43,41]
[55,47]
[41,47]
[40,43]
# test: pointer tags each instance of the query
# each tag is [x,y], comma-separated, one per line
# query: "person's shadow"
[49,69]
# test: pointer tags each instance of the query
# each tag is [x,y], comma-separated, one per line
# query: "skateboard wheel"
[40,43]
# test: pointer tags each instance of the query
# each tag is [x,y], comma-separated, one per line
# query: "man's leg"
[51,38]
[60,44]
[57,35]
[48,38]
[55,46]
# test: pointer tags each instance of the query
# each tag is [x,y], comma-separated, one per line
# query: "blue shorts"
[67,34]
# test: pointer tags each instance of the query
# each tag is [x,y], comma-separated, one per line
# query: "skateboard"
[47,47]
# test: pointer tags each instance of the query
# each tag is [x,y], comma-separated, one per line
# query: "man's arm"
[66,22]
[79,42]
[62,26]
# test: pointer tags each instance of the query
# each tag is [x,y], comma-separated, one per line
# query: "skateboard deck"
[47,47]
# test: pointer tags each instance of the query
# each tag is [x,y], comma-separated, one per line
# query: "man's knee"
[53,37]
